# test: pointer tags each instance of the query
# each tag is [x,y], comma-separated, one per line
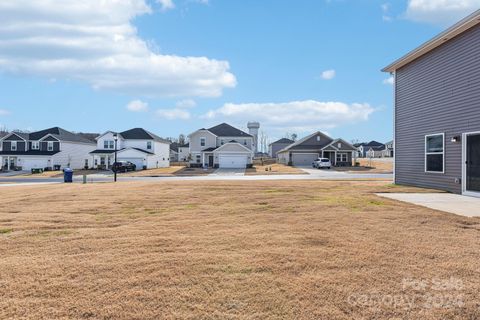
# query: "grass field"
[232,250]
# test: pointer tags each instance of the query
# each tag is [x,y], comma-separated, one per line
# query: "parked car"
[322,163]
[123,166]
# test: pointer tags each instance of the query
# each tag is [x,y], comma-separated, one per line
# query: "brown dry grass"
[170,171]
[227,250]
[276,168]
[379,164]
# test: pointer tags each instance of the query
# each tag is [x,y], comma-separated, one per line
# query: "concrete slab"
[447,202]
[228,172]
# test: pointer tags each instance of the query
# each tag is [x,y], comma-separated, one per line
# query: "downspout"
[394,124]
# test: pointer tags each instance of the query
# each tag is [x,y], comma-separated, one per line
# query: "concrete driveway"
[332,174]
[228,172]
[447,202]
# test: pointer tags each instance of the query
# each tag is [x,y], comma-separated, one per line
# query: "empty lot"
[233,250]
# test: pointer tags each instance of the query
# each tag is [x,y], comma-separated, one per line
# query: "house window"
[318,138]
[35,145]
[244,142]
[86,163]
[50,146]
[108,144]
[222,142]
[339,145]
[203,142]
[198,158]
[102,161]
[342,157]
[149,145]
[434,153]
[13,146]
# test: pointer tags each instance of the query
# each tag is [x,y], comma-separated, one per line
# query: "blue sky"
[173,66]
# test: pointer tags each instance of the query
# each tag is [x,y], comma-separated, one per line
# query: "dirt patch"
[233,250]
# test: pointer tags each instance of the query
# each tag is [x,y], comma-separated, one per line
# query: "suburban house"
[372,149]
[221,146]
[139,146]
[304,151]
[278,145]
[179,152]
[388,151]
[53,148]
[437,111]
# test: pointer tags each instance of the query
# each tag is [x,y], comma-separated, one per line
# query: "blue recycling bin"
[68,175]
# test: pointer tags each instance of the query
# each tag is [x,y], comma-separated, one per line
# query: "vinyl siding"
[73,155]
[437,93]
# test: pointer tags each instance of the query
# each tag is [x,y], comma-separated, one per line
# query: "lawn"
[274,169]
[233,250]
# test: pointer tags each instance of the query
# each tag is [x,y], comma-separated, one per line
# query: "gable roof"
[60,134]
[141,134]
[333,144]
[175,145]
[226,130]
[455,30]
[283,141]
[301,141]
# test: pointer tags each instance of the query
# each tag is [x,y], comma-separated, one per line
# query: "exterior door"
[472,163]
[210,161]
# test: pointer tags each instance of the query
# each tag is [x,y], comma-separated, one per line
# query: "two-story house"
[222,146]
[179,152]
[139,146]
[53,148]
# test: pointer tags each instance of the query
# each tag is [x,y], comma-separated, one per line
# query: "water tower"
[253,130]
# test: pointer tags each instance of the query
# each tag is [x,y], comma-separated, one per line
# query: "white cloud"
[187,103]
[4,112]
[166,4]
[442,12]
[389,80]
[137,106]
[173,114]
[295,116]
[386,12]
[95,42]
[328,74]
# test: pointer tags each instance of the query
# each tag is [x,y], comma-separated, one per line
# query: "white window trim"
[149,145]
[35,145]
[13,143]
[430,153]
[341,154]
[49,145]
[205,141]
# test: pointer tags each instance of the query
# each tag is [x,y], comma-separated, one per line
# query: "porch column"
[335,159]
[203,159]
[8,163]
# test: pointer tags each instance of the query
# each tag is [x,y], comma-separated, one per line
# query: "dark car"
[123,166]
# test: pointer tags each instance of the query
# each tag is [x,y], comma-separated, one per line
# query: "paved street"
[223,174]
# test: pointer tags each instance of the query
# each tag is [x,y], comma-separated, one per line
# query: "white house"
[53,148]
[139,146]
[222,146]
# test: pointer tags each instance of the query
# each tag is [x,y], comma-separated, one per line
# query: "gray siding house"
[437,111]
[278,145]
[317,145]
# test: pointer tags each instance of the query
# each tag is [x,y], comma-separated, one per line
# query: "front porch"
[9,163]
[103,161]
[338,158]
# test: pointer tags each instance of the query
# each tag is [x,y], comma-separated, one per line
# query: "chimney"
[253,127]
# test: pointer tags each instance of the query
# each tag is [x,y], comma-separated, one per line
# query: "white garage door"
[136,161]
[232,161]
[304,159]
[31,163]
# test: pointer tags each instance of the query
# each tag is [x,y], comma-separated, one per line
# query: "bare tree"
[263,142]
[294,136]
[181,139]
